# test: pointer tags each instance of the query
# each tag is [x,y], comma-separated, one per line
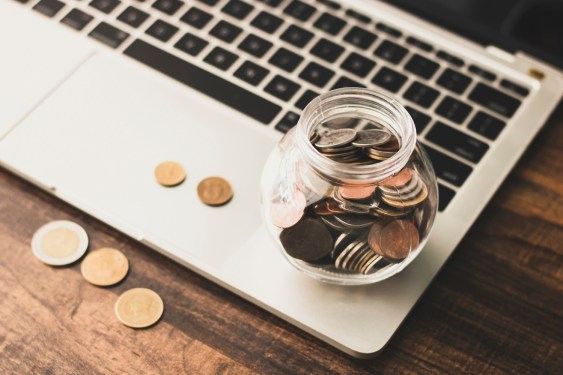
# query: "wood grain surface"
[496,307]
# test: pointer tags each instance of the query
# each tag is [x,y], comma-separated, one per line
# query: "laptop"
[96,93]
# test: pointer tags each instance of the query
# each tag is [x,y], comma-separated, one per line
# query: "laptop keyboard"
[269,58]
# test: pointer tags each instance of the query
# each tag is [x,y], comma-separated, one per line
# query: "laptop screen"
[531,26]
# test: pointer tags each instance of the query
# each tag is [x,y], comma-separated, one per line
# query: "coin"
[335,138]
[328,207]
[214,191]
[354,221]
[104,267]
[356,192]
[307,240]
[398,202]
[400,179]
[139,308]
[59,243]
[287,213]
[169,173]
[371,137]
[394,240]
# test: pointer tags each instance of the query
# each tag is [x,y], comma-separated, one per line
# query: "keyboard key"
[282,88]
[168,6]
[391,52]
[191,44]
[421,66]
[445,195]
[255,45]
[494,100]
[299,10]
[133,16]
[330,4]
[420,119]
[327,50]
[267,22]
[161,30]
[225,31]
[77,19]
[449,58]
[105,6]
[272,3]
[329,24]
[457,142]
[108,35]
[453,110]
[358,65]
[447,168]
[285,59]
[482,73]
[251,73]
[296,36]
[359,37]
[238,9]
[49,7]
[316,74]
[358,16]
[389,79]
[388,29]
[305,99]
[514,87]
[454,81]
[196,18]
[486,125]
[345,82]
[421,94]
[288,121]
[220,58]
[203,81]
[419,44]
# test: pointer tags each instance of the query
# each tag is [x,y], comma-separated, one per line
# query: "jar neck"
[359,103]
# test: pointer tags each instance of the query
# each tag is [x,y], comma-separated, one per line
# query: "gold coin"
[214,191]
[104,267]
[169,173]
[139,308]
[59,243]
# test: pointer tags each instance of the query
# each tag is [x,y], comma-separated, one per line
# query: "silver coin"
[353,255]
[371,137]
[349,250]
[335,138]
[340,123]
[59,243]
[355,221]
[332,222]
[413,186]
[369,265]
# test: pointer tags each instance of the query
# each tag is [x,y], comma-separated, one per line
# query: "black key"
[49,7]
[296,36]
[300,10]
[450,58]
[272,3]
[161,30]
[133,16]
[191,44]
[358,64]
[421,66]
[288,121]
[454,81]
[447,168]
[255,45]
[419,44]
[327,50]
[106,6]
[445,195]
[285,59]
[196,18]
[453,110]
[486,125]
[420,119]
[359,37]
[201,80]
[329,23]
[220,58]
[22,1]
[225,31]
[388,29]
[282,88]
[345,82]
[251,73]
[168,6]
[330,4]
[389,79]
[482,73]
[316,74]
[514,87]
[391,52]
[421,94]
[457,142]
[358,16]
[305,99]
[267,22]
[238,9]
[108,35]
[494,100]
[77,19]
[209,2]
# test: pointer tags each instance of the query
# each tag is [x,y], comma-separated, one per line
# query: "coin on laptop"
[59,243]
[215,191]
[139,308]
[104,267]
[169,173]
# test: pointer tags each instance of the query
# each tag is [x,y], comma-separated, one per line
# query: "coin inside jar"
[215,191]
[286,213]
[104,267]
[393,240]
[371,137]
[139,308]
[169,173]
[335,138]
[308,240]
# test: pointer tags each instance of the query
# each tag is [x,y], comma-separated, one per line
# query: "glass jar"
[348,194]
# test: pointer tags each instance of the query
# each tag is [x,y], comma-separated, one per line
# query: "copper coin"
[400,179]
[214,191]
[287,214]
[104,267]
[139,308]
[169,173]
[356,192]
[328,207]
[392,145]
[308,240]
[394,240]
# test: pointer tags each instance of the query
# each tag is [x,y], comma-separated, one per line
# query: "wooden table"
[496,306]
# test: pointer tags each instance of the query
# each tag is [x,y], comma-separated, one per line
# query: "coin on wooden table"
[104,267]
[59,243]
[139,308]
[169,173]
[393,240]
[214,191]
